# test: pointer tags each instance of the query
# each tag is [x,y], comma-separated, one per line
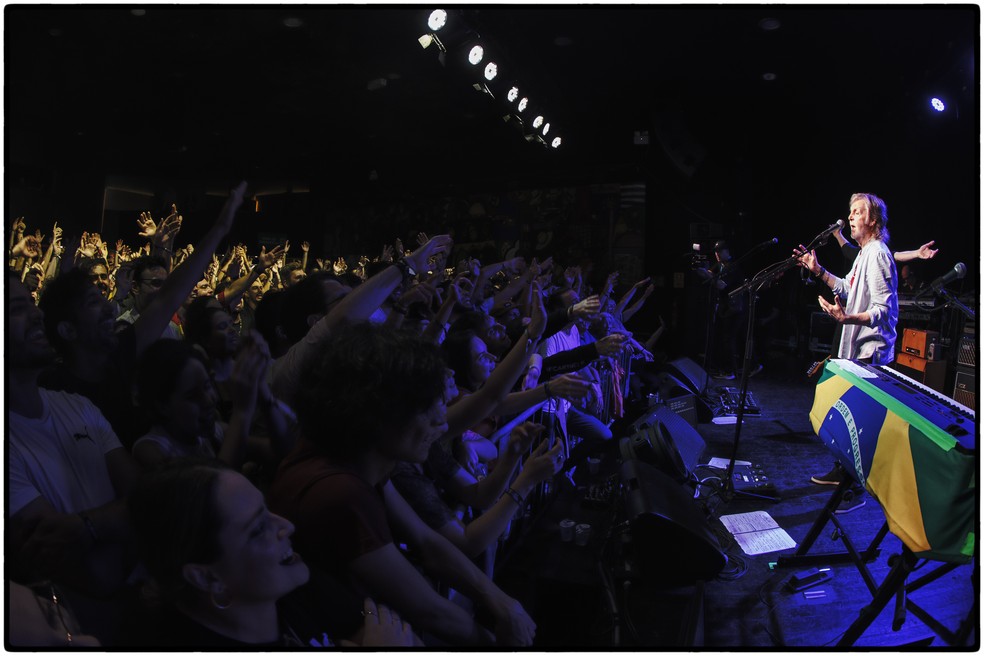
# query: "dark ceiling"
[218,92]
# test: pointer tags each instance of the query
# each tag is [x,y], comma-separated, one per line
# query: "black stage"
[583,598]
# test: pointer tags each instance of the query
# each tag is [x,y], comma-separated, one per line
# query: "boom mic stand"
[759,281]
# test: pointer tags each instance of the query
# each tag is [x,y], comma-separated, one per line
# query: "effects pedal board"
[751,478]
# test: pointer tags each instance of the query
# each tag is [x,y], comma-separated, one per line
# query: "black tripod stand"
[752,287]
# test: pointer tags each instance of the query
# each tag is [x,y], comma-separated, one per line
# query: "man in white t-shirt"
[67,472]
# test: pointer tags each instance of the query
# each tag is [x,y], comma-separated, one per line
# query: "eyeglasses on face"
[156,283]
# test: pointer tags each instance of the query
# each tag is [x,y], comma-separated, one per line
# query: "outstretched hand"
[926,251]
[806,259]
[267,259]
[146,225]
[434,246]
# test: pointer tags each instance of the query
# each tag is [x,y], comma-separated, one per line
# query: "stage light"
[475,55]
[437,20]
[512,94]
[523,102]
[546,128]
[937,104]
[537,122]
[556,142]
[491,70]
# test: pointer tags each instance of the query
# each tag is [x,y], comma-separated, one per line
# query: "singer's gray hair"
[878,211]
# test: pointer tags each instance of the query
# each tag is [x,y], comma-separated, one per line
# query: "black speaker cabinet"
[671,540]
[665,440]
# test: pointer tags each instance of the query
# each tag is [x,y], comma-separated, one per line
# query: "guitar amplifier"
[928,372]
[965,387]
[921,343]
[967,351]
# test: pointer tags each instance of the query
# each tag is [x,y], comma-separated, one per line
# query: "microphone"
[768,242]
[831,229]
[958,271]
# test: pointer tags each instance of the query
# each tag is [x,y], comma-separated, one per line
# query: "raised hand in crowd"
[387,254]
[586,307]
[28,246]
[611,344]
[146,226]
[270,259]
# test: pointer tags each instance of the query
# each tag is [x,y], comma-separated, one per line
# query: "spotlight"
[512,94]
[537,122]
[475,55]
[556,142]
[491,70]
[546,128]
[437,20]
[523,102]
[937,104]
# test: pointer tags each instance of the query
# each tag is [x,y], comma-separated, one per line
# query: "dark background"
[185,100]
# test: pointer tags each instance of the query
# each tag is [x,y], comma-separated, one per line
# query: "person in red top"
[369,398]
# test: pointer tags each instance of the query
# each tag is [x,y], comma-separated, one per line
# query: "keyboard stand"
[894,586]
[803,558]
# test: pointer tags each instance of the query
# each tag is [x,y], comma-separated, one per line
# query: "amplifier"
[928,372]
[967,351]
[921,343]
[965,387]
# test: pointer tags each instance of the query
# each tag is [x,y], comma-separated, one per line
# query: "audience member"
[227,575]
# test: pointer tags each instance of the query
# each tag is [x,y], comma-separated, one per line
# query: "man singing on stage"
[866,302]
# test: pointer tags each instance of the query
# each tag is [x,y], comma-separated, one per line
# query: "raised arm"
[154,319]
[924,252]
[475,407]
[239,286]
[630,312]
[447,563]
[479,534]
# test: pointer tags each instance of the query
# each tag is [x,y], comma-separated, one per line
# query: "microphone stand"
[713,303]
[951,299]
[759,281]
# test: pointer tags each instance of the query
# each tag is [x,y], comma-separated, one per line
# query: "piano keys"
[912,448]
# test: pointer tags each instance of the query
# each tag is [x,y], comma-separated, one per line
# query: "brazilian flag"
[923,477]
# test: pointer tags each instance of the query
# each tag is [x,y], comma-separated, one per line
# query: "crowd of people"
[213,449]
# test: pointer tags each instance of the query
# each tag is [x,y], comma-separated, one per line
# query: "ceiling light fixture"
[437,19]
[475,55]
[512,94]
[937,104]
[523,102]
[537,122]
[491,70]
[556,142]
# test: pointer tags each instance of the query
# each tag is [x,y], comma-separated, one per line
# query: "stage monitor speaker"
[690,373]
[693,377]
[664,439]
[677,396]
[671,539]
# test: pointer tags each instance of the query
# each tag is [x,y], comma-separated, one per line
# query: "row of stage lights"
[475,55]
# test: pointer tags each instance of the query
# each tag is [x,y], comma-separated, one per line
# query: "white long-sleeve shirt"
[871,286]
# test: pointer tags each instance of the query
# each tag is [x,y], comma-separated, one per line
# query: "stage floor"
[756,609]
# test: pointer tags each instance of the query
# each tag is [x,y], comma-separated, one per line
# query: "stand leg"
[894,582]
[729,484]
